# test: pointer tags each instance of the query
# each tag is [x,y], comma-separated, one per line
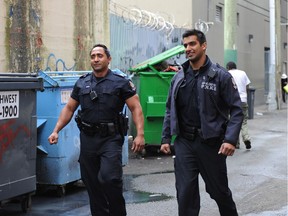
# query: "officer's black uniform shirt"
[112,91]
[187,102]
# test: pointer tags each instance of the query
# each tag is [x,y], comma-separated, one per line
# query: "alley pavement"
[257,179]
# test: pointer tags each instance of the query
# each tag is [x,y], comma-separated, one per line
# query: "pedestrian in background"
[284,87]
[242,82]
[201,97]
[102,95]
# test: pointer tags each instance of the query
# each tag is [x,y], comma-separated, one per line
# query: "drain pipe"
[271,98]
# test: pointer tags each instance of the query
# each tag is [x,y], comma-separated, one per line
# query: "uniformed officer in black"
[102,95]
[201,97]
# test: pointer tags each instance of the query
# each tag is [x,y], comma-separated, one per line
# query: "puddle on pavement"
[134,196]
[76,197]
[140,197]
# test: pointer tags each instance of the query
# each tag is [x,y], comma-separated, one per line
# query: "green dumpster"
[152,87]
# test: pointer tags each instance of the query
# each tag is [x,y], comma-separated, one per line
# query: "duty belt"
[103,129]
[192,133]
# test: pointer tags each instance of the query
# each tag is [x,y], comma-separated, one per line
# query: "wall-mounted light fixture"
[285,45]
[250,38]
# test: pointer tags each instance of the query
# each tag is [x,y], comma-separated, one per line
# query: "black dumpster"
[250,101]
[18,137]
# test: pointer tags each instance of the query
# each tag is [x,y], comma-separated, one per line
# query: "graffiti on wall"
[9,134]
[57,64]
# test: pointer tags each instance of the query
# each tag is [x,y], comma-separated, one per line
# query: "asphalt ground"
[257,179]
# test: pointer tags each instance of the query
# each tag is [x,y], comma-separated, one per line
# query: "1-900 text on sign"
[9,104]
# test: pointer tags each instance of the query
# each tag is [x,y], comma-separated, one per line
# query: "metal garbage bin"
[250,102]
[18,137]
[152,87]
[57,165]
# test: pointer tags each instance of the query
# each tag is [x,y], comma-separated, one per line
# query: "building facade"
[252,29]
[57,35]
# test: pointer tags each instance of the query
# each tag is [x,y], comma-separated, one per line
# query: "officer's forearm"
[138,119]
[135,107]
[63,120]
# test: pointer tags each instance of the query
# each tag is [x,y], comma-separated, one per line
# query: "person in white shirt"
[242,81]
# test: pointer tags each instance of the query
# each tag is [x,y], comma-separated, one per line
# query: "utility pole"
[271,98]
[230,25]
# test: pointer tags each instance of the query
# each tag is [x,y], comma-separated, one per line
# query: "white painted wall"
[57,27]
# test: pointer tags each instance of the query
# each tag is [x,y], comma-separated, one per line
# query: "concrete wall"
[51,35]
[57,35]
[253,19]
[3,61]
[251,55]
[22,37]
[57,29]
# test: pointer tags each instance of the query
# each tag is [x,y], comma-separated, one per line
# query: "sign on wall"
[9,104]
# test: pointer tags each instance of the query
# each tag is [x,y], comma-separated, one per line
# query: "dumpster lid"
[66,78]
[60,78]
[20,81]
[158,58]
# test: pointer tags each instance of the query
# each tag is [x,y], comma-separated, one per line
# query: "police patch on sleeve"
[132,86]
[234,83]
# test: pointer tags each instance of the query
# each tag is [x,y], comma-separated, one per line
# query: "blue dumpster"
[18,137]
[57,165]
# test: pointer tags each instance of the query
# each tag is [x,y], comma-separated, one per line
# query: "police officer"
[102,95]
[201,97]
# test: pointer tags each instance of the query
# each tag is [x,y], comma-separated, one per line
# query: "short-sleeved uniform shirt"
[112,91]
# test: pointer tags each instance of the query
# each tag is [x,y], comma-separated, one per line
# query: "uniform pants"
[192,158]
[101,171]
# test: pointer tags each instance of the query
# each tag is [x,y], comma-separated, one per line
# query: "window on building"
[219,14]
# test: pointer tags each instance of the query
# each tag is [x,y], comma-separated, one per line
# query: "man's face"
[99,60]
[194,51]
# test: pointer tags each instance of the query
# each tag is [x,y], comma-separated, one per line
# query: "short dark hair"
[199,34]
[107,52]
[231,65]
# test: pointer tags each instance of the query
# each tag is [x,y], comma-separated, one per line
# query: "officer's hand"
[138,143]
[165,148]
[53,138]
[227,149]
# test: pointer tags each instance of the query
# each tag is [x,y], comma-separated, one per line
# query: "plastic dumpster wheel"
[61,190]
[143,152]
[26,203]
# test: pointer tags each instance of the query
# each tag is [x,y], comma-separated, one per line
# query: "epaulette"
[213,71]
[85,75]
[119,73]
